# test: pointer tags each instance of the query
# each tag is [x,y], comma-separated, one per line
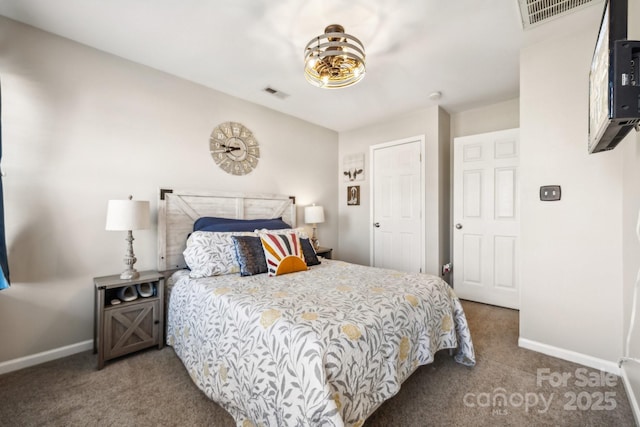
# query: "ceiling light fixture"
[334,59]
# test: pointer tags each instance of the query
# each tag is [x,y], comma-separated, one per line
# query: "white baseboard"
[45,356]
[571,356]
[633,401]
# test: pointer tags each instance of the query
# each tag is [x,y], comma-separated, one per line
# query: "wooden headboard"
[178,210]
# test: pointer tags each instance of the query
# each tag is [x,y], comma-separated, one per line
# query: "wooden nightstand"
[129,326]
[324,252]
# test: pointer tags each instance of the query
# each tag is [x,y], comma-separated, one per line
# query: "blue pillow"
[210,223]
[310,256]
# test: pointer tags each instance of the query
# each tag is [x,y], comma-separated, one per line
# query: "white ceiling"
[466,49]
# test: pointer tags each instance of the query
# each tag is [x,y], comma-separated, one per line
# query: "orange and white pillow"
[283,253]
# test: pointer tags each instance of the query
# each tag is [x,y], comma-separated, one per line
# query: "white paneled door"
[397,237]
[486,218]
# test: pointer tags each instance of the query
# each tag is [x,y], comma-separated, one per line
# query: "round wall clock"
[234,148]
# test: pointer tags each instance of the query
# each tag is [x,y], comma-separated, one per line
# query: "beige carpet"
[152,388]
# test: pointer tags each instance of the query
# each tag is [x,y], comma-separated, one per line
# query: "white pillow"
[211,253]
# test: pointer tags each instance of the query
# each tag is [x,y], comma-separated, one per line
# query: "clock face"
[234,148]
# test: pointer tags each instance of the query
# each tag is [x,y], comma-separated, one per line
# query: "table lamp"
[128,215]
[314,215]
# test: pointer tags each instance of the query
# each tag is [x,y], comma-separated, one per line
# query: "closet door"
[397,237]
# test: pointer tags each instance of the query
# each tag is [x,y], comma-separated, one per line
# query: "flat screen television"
[614,80]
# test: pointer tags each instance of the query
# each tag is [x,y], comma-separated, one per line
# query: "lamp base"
[130,274]
[129,260]
[314,239]
[315,244]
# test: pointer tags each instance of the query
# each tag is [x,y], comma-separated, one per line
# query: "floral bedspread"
[325,346]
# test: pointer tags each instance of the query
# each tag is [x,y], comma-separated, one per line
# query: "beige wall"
[630,148]
[571,299]
[81,127]
[444,191]
[490,118]
[355,227]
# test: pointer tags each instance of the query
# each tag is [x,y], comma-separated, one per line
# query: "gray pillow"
[250,255]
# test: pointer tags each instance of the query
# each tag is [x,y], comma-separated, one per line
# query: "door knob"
[376,224]
[458,226]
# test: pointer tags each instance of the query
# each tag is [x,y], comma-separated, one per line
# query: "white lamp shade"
[127,215]
[313,214]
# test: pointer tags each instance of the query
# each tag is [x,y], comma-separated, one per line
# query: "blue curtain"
[4,263]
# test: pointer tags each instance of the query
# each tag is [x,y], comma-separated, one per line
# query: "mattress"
[325,346]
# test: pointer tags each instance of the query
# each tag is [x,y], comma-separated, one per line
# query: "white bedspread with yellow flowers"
[321,347]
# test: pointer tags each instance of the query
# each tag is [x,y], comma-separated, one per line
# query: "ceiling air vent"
[276,93]
[535,12]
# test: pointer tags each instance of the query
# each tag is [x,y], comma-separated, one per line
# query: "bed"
[325,345]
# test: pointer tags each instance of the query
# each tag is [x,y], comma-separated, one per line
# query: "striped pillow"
[283,253]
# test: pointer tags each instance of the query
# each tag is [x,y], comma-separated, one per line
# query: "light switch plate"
[549,193]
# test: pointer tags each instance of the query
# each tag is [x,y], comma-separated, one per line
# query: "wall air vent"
[535,12]
[276,93]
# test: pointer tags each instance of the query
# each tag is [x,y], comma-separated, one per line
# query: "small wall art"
[353,167]
[353,195]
